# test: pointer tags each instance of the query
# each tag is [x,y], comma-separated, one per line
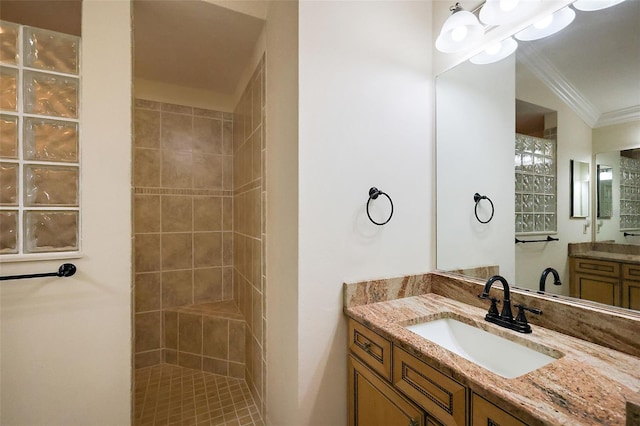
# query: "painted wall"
[66,343]
[365,119]
[574,143]
[475,132]
[616,137]
[607,229]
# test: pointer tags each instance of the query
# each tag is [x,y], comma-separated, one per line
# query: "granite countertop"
[605,255]
[588,385]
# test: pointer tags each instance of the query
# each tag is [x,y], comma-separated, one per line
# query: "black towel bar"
[549,238]
[65,270]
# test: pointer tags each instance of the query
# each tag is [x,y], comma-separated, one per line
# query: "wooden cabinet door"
[597,288]
[484,413]
[372,402]
[631,294]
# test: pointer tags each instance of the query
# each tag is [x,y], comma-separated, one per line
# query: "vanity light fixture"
[548,26]
[498,12]
[496,52]
[591,5]
[459,31]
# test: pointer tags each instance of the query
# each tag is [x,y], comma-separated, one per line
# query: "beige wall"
[66,343]
[616,137]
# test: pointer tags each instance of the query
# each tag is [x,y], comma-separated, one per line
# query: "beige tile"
[147,297]
[146,213]
[143,103]
[177,132]
[207,249]
[147,359]
[147,128]
[170,356]
[180,109]
[227,138]
[207,285]
[227,173]
[207,113]
[146,168]
[189,361]
[256,259]
[256,155]
[147,252]
[176,251]
[227,283]
[256,213]
[236,370]
[227,249]
[248,302]
[207,213]
[170,330]
[256,102]
[207,135]
[177,288]
[176,213]
[236,341]
[215,366]
[227,213]
[190,333]
[147,331]
[216,338]
[256,323]
[207,171]
[177,169]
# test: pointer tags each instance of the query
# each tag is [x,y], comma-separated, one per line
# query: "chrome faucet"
[505,318]
[543,278]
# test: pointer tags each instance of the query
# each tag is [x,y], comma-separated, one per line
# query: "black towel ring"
[477,197]
[373,194]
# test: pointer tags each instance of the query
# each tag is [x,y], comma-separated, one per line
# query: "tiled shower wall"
[249,225]
[183,210]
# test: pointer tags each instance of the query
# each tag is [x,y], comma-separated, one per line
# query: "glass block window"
[629,193]
[535,179]
[39,142]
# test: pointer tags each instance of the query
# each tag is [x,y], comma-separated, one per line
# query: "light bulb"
[544,23]
[508,5]
[459,33]
[493,49]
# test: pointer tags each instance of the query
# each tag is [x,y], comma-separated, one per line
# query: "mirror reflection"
[597,118]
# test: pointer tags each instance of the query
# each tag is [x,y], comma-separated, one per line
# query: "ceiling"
[193,43]
[594,64]
[63,16]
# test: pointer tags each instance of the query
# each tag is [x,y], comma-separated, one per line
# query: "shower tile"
[146,168]
[227,283]
[236,341]
[215,366]
[216,338]
[227,213]
[189,361]
[207,249]
[208,113]
[190,333]
[227,249]
[147,292]
[256,259]
[170,330]
[48,94]
[176,251]
[8,231]
[170,357]
[147,252]
[180,109]
[236,370]
[61,51]
[207,171]
[146,213]
[177,213]
[227,173]
[256,324]
[9,184]
[227,138]
[147,128]
[148,359]
[207,135]
[9,42]
[8,136]
[51,185]
[256,102]
[177,169]
[207,285]
[8,89]
[207,213]
[147,331]
[177,131]
[50,140]
[51,231]
[177,288]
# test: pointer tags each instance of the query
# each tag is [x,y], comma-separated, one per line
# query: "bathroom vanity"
[398,377]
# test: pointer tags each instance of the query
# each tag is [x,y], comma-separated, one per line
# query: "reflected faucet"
[505,318]
[543,278]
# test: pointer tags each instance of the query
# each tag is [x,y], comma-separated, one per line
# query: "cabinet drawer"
[372,349]
[485,413]
[597,267]
[631,272]
[439,395]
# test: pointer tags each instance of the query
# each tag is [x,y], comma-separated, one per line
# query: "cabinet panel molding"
[372,349]
[484,413]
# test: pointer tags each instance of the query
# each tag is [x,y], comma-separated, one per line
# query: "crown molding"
[623,115]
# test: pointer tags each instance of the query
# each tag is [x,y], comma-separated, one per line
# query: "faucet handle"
[521,317]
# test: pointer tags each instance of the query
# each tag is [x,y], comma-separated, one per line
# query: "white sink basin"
[497,354]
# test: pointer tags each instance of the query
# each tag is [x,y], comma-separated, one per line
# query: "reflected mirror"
[478,109]
[579,171]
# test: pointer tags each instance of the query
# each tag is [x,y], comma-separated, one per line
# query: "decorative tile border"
[183,191]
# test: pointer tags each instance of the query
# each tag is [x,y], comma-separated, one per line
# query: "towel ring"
[477,197]
[373,194]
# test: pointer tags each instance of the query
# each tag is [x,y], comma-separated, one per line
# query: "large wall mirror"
[582,88]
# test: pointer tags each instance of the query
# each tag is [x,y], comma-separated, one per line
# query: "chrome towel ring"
[373,194]
[477,197]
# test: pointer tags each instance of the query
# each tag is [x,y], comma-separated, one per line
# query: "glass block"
[549,203]
[50,140]
[48,94]
[47,231]
[550,222]
[518,161]
[8,89]
[519,223]
[538,164]
[538,203]
[538,184]
[550,148]
[518,206]
[50,50]
[50,185]
[549,185]
[527,223]
[9,42]
[538,222]
[549,166]
[8,136]
[519,143]
[539,147]
[519,184]
[528,145]
[527,163]
[8,231]
[9,184]
[527,203]
[527,183]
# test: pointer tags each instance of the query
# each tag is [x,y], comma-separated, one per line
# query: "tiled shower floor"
[172,395]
